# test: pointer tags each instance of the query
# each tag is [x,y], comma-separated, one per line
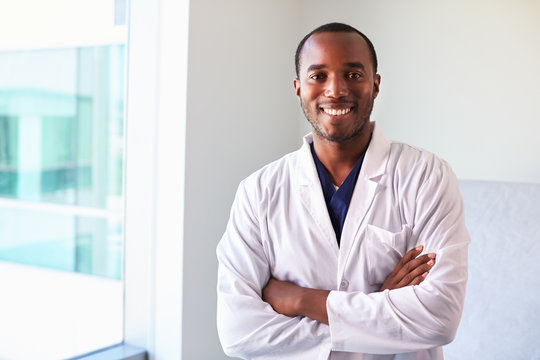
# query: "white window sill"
[115,352]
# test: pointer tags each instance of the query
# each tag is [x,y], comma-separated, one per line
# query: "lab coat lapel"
[367,186]
[310,191]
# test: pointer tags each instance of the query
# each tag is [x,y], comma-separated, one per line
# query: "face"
[336,85]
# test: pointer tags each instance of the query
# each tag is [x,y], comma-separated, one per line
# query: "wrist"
[304,300]
[312,303]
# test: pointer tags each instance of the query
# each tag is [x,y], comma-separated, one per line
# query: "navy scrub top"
[337,201]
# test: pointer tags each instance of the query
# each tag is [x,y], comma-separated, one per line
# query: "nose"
[336,87]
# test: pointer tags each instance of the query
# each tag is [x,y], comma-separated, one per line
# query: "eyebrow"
[349,65]
[356,65]
[315,67]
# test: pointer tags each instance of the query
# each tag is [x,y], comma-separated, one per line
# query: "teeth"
[336,112]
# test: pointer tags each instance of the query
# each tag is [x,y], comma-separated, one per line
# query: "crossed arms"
[262,317]
[292,300]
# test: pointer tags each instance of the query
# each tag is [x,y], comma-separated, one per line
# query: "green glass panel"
[61,142]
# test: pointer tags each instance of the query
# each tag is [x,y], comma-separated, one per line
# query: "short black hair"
[334,27]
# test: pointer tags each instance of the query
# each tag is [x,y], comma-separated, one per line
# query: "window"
[152,206]
[61,144]
[61,178]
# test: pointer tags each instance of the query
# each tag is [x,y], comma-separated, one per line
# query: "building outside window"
[61,178]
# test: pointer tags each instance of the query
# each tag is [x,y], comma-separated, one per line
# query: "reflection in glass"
[61,142]
[61,176]
[57,314]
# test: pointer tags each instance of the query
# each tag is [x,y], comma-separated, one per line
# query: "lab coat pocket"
[384,249]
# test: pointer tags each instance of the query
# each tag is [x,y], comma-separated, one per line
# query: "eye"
[317,76]
[355,75]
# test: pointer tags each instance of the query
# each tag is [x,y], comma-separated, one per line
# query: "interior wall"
[459,78]
[241,114]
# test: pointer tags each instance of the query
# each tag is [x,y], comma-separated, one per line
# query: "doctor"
[352,247]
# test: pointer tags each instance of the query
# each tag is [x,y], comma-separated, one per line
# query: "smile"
[336,112]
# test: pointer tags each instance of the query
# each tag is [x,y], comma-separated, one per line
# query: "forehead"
[335,49]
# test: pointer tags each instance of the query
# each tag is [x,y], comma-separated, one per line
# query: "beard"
[360,123]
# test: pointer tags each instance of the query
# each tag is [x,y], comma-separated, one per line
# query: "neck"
[340,157]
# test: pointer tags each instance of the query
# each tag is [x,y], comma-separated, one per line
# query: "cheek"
[310,92]
[308,100]
[367,93]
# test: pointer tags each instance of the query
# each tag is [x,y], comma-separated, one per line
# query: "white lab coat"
[279,226]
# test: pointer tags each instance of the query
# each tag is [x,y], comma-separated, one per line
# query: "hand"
[283,296]
[292,300]
[410,270]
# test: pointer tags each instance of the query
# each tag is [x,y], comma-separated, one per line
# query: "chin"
[338,138]
[344,136]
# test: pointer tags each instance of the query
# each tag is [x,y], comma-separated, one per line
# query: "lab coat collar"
[373,167]
[367,186]
[376,159]
[310,192]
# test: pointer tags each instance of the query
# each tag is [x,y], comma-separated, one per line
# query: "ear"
[297,87]
[376,84]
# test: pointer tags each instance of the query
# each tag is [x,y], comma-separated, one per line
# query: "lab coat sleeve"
[248,327]
[414,317]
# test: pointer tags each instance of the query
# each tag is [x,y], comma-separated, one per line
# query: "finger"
[414,263]
[408,268]
[418,271]
[417,280]
[410,255]
[416,266]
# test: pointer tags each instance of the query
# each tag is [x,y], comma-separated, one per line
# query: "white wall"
[459,78]
[241,114]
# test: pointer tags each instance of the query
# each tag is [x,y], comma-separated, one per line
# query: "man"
[321,258]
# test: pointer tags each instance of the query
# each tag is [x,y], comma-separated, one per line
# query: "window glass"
[61,181]
[61,135]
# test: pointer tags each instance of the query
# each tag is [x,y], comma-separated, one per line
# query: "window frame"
[156,95]
[154,167]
